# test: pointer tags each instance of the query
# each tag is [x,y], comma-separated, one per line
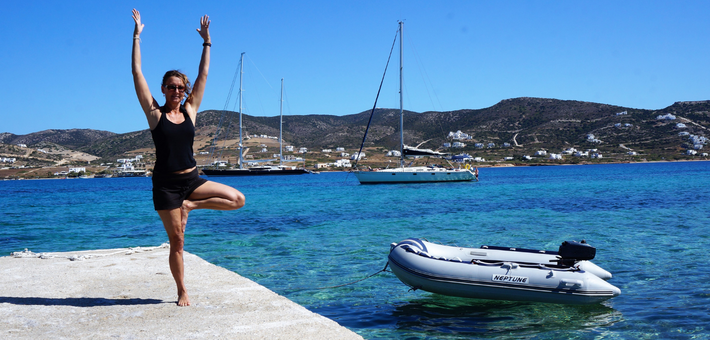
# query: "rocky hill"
[73,138]
[527,124]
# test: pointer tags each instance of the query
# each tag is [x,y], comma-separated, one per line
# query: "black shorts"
[169,190]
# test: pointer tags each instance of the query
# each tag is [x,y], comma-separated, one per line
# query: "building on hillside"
[343,163]
[357,156]
[458,135]
[666,116]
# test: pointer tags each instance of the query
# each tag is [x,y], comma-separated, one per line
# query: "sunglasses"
[175,87]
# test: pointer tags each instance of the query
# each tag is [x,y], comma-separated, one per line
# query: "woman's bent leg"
[174,226]
[212,195]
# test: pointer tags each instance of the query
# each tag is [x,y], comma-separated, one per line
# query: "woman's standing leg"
[174,226]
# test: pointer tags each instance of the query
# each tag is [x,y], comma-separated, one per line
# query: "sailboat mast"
[281,124]
[401,105]
[241,146]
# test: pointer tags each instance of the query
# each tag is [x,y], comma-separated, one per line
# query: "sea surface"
[302,235]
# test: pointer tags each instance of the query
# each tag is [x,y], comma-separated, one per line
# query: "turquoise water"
[649,222]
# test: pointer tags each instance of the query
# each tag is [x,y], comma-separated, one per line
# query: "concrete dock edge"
[130,294]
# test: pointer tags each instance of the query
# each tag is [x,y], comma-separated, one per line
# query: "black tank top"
[173,143]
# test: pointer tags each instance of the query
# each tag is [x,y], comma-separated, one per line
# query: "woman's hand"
[139,26]
[204,29]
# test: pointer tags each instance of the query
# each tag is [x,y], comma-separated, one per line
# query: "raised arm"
[192,104]
[149,105]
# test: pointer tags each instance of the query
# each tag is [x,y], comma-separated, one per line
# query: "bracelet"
[207,44]
[137,38]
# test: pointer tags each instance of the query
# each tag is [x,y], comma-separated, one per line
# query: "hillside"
[527,124]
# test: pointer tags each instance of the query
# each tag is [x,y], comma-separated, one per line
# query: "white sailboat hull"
[454,271]
[415,175]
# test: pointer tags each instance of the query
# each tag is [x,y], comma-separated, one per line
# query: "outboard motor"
[572,252]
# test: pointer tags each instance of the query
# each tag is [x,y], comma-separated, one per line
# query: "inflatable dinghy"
[499,273]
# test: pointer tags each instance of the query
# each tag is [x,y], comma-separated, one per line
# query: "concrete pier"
[130,294]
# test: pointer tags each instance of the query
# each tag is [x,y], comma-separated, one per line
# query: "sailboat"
[280,169]
[413,174]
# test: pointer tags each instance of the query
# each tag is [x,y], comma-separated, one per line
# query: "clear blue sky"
[66,64]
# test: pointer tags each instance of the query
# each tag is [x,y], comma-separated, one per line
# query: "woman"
[177,187]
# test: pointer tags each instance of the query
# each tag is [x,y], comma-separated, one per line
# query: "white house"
[77,170]
[339,149]
[680,126]
[458,145]
[394,153]
[303,150]
[541,153]
[326,151]
[569,151]
[667,116]
[289,148]
[343,163]
[357,156]
[555,156]
[458,135]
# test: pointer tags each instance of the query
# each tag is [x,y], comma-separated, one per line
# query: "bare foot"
[183,300]
[185,211]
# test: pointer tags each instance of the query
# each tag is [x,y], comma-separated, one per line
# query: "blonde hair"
[181,76]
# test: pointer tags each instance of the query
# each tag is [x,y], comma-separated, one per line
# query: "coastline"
[130,293]
[501,165]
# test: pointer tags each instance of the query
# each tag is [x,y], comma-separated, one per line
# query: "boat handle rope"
[346,284]
[524,265]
